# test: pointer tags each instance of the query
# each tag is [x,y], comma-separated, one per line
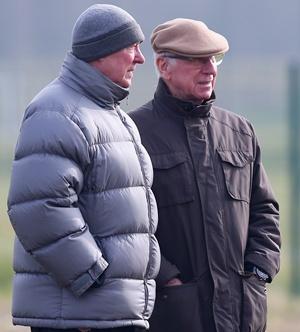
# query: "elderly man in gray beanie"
[80,202]
[218,219]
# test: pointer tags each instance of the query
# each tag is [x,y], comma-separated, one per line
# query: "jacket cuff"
[86,280]
[167,272]
[262,263]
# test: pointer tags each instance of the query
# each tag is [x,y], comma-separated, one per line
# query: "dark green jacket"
[216,212]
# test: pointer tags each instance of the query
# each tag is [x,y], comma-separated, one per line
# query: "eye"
[132,47]
[217,59]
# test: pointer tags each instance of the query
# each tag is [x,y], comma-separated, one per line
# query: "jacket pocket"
[236,166]
[254,311]
[177,309]
[171,183]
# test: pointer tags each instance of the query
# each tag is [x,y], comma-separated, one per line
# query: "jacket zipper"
[146,290]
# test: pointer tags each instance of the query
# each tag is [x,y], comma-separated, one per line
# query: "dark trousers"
[118,329]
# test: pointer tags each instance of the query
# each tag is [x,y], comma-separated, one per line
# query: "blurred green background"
[253,81]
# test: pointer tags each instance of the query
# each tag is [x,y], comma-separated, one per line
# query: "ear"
[163,67]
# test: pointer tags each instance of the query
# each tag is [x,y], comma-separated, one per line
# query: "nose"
[139,57]
[210,67]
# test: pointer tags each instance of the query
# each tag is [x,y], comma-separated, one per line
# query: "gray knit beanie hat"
[102,30]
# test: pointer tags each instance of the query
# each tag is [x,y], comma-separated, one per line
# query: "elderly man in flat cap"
[80,200]
[218,218]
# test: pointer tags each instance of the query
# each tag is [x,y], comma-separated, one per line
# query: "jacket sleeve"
[47,177]
[263,246]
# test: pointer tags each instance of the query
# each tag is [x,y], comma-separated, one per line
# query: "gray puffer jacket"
[82,208]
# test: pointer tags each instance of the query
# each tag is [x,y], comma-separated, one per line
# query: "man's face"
[191,79]
[120,65]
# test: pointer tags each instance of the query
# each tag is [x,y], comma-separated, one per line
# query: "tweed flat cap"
[187,37]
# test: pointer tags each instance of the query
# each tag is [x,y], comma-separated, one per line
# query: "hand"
[173,282]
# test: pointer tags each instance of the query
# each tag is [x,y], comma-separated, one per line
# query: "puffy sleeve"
[47,178]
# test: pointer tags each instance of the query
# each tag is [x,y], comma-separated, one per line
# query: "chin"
[205,96]
[125,84]
[201,98]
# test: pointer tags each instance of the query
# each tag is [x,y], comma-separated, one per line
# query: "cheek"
[121,70]
[183,79]
[126,66]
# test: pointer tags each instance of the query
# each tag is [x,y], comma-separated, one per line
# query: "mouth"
[207,83]
[130,72]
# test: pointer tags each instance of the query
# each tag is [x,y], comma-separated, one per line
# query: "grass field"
[6,242]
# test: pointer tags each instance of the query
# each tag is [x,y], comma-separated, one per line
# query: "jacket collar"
[83,78]
[180,107]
